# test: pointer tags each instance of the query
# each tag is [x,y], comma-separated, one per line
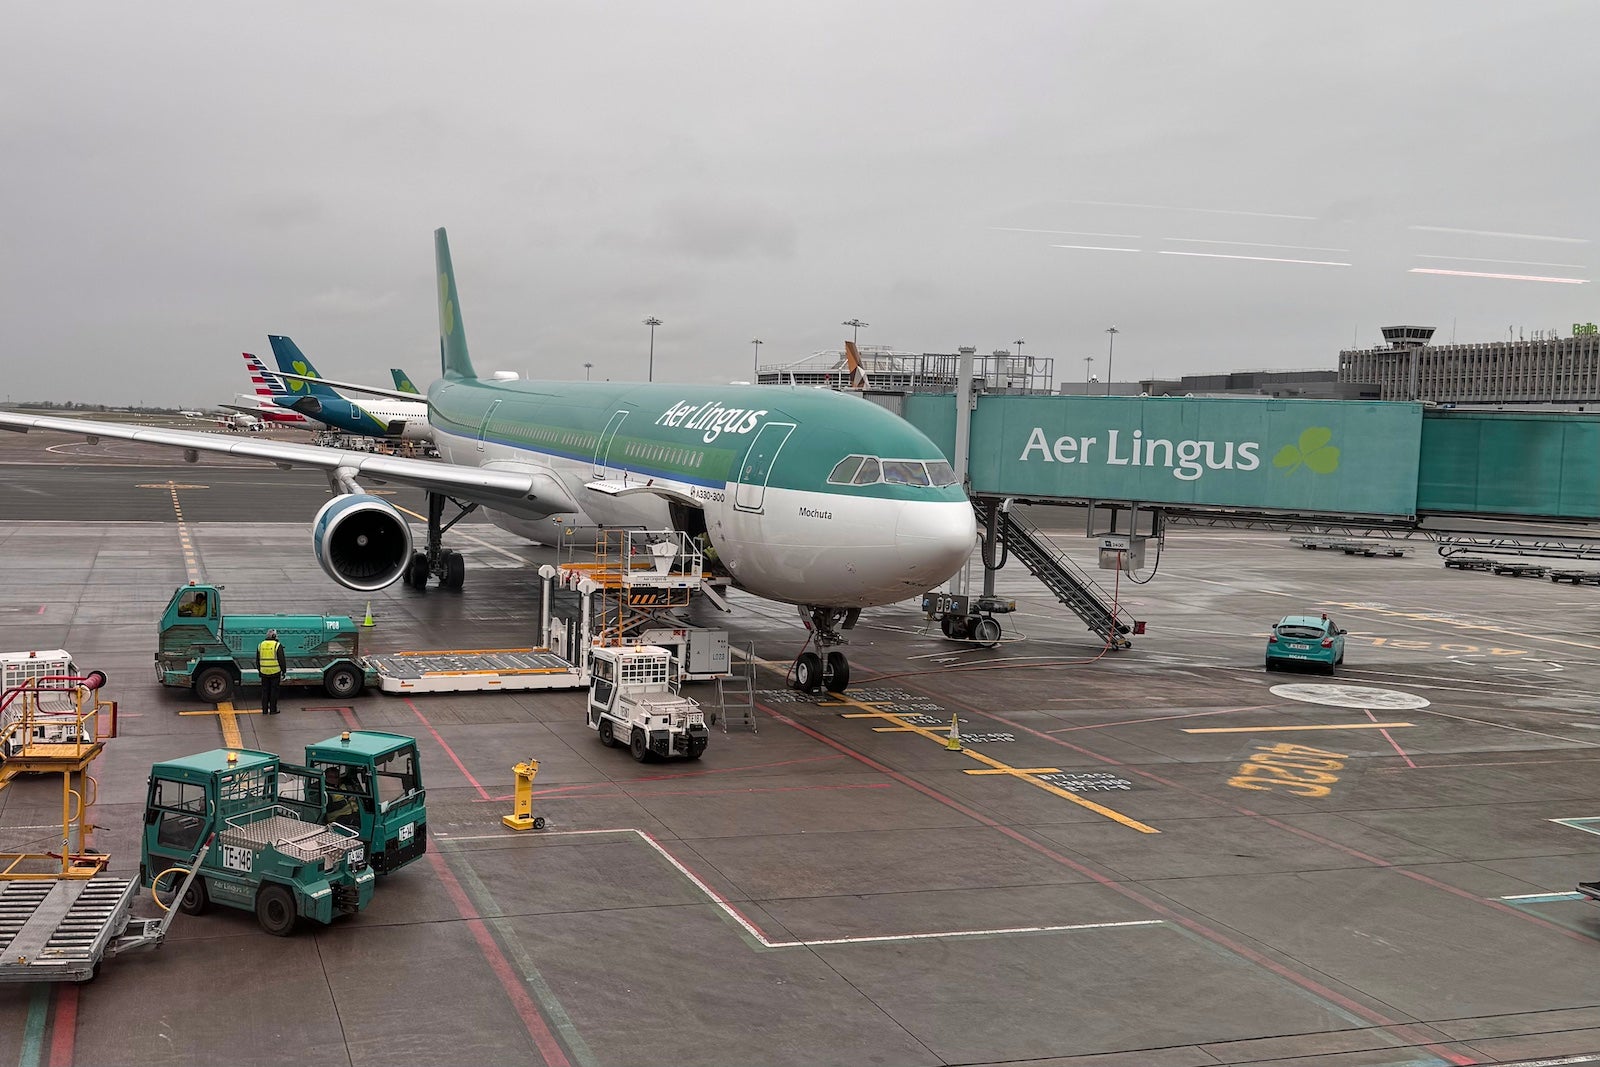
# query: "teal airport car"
[1305,639]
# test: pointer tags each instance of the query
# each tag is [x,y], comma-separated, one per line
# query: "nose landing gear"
[829,671]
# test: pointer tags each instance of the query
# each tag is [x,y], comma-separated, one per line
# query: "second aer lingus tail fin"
[453,359]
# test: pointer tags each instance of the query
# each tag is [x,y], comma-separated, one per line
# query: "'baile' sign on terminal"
[1299,455]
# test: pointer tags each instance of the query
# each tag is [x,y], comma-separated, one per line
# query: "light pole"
[1111,346]
[652,322]
[1088,369]
[1019,343]
[755,362]
[857,325]
[586,368]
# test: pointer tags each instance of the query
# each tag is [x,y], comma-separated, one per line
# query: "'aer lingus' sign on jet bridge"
[1327,456]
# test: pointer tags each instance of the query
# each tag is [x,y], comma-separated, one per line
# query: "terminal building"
[1544,370]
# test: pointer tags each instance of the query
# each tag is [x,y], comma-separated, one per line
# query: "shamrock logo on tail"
[447,307]
[300,368]
[1313,452]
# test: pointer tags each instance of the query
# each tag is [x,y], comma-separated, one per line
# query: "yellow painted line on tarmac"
[1273,729]
[1021,770]
[228,716]
[995,766]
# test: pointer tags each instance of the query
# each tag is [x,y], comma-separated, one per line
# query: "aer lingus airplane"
[308,393]
[810,497]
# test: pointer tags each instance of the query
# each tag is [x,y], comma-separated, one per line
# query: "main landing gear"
[827,670]
[446,564]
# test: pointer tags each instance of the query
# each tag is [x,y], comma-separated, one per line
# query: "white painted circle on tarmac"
[1351,696]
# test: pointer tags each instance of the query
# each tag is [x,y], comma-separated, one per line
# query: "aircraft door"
[483,427]
[750,490]
[602,448]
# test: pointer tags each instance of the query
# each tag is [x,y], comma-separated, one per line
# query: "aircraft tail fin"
[267,385]
[293,361]
[402,381]
[453,359]
[858,373]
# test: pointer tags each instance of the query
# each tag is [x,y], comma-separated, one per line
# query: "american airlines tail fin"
[293,361]
[453,358]
[267,385]
[858,373]
[402,381]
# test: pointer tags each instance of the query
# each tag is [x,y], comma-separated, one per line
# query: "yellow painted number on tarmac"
[1298,770]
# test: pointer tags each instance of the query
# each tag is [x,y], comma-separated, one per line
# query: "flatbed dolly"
[481,670]
[1521,570]
[1350,546]
[61,929]
[1470,563]
[1576,577]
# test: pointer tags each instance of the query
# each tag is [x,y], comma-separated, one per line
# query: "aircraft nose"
[935,538]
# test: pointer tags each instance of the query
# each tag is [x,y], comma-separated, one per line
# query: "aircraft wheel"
[838,672]
[455,570]
[275,910]
[416,575]
[638,745]
[986,631]
[808,673]
[608,736]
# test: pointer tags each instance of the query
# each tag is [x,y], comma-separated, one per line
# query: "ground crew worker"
[270,665]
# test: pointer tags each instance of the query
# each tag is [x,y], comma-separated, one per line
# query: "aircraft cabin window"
[941,472]
[846,470]
[868,473]
[904,472]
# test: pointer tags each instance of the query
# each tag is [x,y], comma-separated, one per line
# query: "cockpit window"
[941,473]
[904,472]
[846,470]
[868,472]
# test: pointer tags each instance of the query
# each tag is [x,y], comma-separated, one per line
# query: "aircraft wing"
[530,490]
[243,410]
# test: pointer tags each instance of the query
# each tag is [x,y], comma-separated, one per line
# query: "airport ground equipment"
[269,856]
[475,671]
[1006,533]
[60,929]
[1351,546]
[522,816]
[736,694]
[1469,563]
[634,701]
[1520,570]
[214,654]
[1576,577]
[55,724]
[370,782]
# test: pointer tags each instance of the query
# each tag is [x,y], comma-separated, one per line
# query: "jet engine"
[362,542]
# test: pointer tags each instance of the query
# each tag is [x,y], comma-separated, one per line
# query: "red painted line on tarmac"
[64,1026]
[448,751]
[40,611]
[349,718]
[532,1020]
[1392,742]
[1311,985]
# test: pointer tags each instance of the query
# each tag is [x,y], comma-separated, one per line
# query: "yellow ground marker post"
[867,711]
[522,817]
[1267,729]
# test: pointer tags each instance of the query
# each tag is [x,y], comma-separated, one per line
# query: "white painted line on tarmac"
[755,932]
[1537,898]
[1588,1057]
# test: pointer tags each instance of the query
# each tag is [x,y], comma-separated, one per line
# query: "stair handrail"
[1036,538]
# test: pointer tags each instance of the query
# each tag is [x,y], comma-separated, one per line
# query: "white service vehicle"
[634,701]
[37,702]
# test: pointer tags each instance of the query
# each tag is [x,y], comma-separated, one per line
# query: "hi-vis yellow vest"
[270,664]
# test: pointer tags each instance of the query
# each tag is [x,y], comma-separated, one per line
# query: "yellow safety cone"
[954,743]
[368,620]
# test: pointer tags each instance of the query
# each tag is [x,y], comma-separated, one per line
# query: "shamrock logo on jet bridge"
[1313,452]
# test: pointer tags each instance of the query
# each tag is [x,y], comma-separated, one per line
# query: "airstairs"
[736,694]
[1070,584]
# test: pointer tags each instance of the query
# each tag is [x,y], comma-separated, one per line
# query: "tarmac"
[1162,857]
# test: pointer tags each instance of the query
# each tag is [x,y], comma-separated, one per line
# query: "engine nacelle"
[362,542]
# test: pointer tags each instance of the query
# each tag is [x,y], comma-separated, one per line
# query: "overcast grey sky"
[179,180]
